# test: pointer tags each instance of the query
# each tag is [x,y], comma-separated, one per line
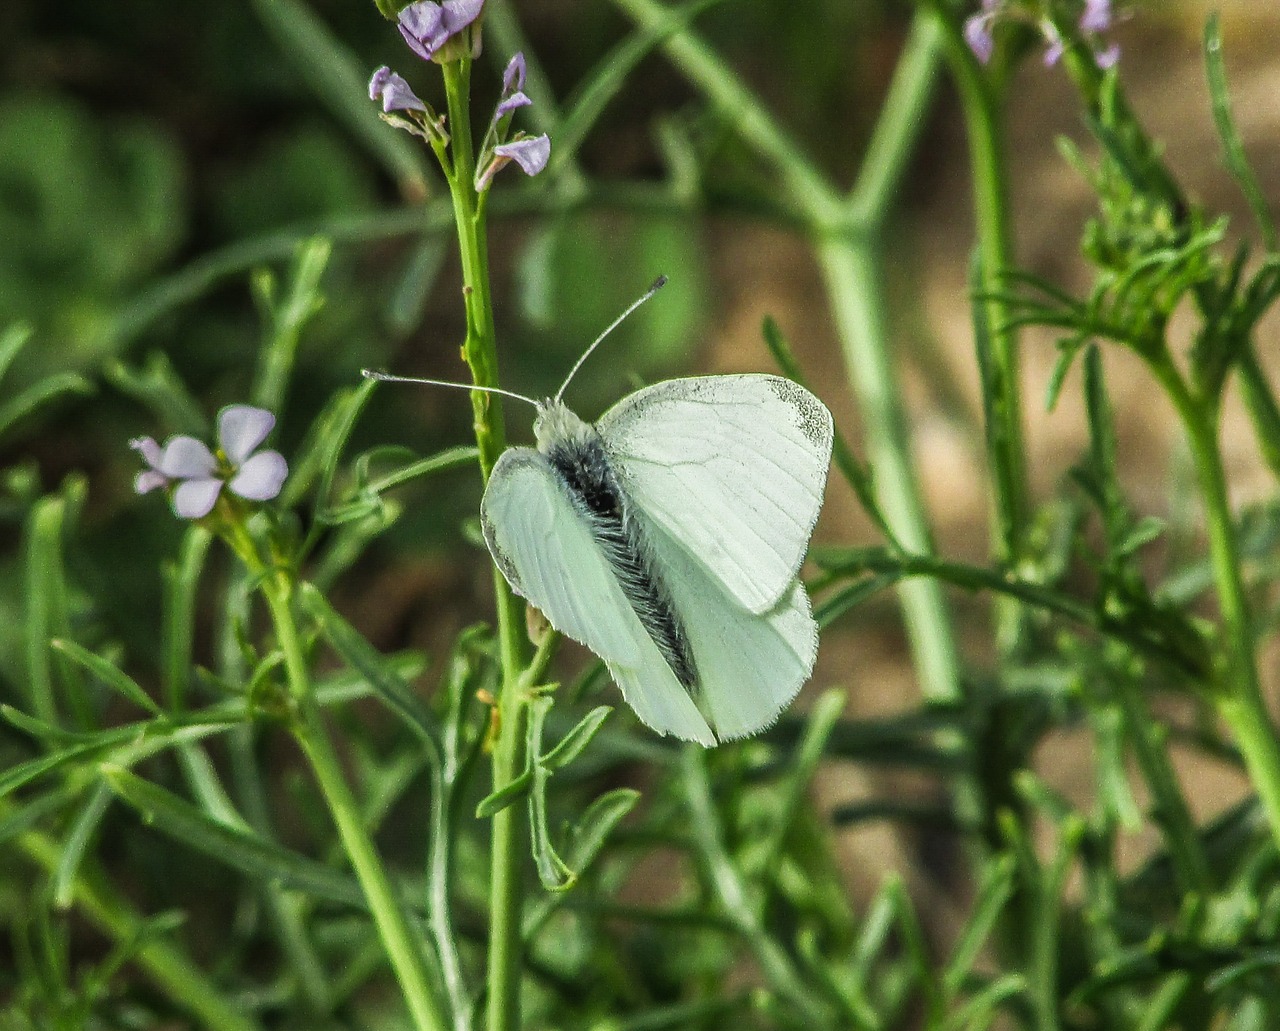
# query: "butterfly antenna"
[386,377]
[658,284]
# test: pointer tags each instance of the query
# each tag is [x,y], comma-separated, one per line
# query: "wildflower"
[427,27]
[531,153]
[197,475]
[394,92]
[1095,19]
[977,30]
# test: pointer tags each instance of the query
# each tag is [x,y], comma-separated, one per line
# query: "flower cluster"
[1095,19]
[196,475]
[529,152]
[437,32]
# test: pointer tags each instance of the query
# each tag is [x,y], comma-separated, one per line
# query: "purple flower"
[427,26]
[1096,17]
[529,152]
[977,33]
[197,475]
[394,92]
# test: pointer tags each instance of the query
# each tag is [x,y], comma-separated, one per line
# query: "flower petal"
[977,33]
[513,77]
[259,479]
[241,428]
[185,458]
[509,104]
[531,153]
[394,92]
[1096,16]
[194,498]
[148,480]
[420,26]
[458,14]
[1107,58]
[148,449]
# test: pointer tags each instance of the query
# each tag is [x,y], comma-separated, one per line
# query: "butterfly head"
[555,425]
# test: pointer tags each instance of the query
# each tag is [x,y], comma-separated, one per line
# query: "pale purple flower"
[529,152]
[1096,17]
[977,33]
[427,26]
[394,92]
[513,75]
[197,475]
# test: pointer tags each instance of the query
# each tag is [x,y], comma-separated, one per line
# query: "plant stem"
[399,940]
[480,351]
[853,284]
[1239,695]
[982,114]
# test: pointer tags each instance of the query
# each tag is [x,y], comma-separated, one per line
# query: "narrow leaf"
[108,673]
[238,847]
[573,743]
[382,677]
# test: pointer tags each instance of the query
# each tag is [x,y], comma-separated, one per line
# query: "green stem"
[1239,696]
[480,351]
[181,980]
[852,273]
[398,938]
[982,115]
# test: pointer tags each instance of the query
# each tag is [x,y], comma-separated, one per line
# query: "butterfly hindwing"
[546,551]
[733,468]
[750,665]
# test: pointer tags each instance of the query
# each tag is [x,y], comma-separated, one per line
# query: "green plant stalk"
[398,939]
[981,110]
[166,966]
[1238,696]
[851,272]
[480,352]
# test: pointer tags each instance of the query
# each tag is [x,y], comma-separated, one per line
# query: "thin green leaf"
[833,607]
[75,845]
[39,393]
[572,744]
[157,385]
[382,677]
[804,764]
[237,847]
[994,891]
[12,341]
[510,793]
[287,317]
[108,673]
[1232,147]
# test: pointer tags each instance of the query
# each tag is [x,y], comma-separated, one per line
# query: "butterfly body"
[668,538]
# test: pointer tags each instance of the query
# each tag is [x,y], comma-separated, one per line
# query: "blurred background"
[153,156]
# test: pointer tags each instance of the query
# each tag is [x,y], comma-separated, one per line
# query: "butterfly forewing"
[732,468]
[546,550]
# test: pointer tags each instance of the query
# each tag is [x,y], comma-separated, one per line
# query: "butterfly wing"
[750,665]
[732,468]
[546,551]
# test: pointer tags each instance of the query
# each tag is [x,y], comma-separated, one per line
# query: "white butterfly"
[667,538]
